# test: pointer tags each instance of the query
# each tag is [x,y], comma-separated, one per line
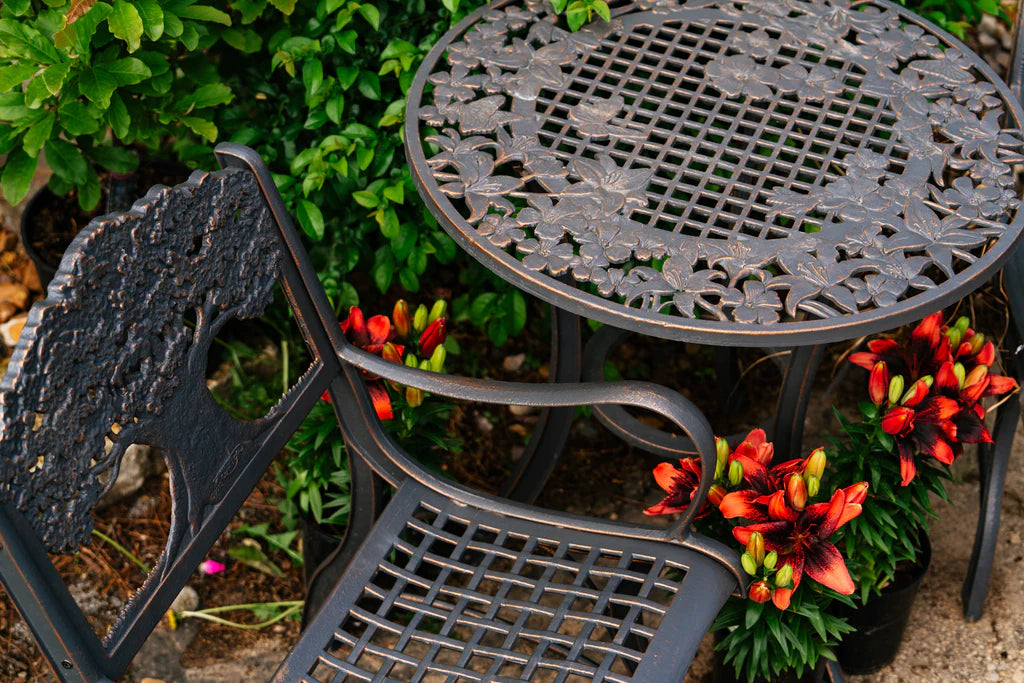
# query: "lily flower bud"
[391,352]
[419,319]
[432,337]
[437,358]
[413,396]
[813,485]
[402,319]
[796,492]
[954,335]
[962,323]
[960,372]
[755,546]
[915,394]
[412,361]
[878,383]
[895,389]
[721,450]
[897,419]
[735,472]
[977,341]
[784,576]
[437,310]
[816,463]
[715,494]
[771,559]
[760,591]
[976,375]
[749,565]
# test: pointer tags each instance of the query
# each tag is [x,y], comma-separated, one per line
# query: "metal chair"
[447,584]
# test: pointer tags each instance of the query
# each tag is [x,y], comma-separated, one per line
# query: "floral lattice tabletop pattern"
[774,165]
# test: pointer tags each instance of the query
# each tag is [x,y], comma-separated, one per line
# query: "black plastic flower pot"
[50,222]
[880,623]
[319,543]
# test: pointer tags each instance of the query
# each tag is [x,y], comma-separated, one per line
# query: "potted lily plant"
[316,482]
[785,523]
[925,403]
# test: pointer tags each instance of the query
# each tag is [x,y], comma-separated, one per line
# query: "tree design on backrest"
[112,357]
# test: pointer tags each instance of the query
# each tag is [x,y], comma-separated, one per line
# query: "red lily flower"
[923,353]
[970,419]
[432,336]
[752,503]
[801,539]
[680,484]
[373,335]
[923,424]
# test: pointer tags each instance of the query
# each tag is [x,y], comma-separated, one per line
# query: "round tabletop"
[763,172]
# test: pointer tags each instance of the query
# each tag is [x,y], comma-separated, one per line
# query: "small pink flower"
[211,567]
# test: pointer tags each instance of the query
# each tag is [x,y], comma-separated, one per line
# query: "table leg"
[992,464]
[552,430]
[788,428]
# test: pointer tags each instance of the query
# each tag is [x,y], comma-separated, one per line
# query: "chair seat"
[447,592]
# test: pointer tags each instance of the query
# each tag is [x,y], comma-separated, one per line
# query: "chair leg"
[552,430]
[788,429]
[992,463]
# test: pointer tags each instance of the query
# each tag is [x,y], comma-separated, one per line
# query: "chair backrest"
[116,355]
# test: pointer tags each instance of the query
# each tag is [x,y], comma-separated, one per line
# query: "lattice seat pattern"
[472,596]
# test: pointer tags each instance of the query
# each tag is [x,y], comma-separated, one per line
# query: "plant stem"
[207,614]
[120,548]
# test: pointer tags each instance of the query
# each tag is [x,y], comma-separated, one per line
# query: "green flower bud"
[719,470]
[960,372]
[784,576]
[962,323]
[425,364]
[412,361]
[437,310]
[895,389]
[771,559]
[721,450]
[419,319]
[928,380]
[955,335]
[437,358]
[813,485]
[749,565]
[735,472]
[977,341]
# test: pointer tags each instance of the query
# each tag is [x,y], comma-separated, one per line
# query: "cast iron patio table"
[766,173]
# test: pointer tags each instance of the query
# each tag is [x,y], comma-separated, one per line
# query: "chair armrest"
[654,397]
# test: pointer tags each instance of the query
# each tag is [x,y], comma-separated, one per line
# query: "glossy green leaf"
[243,40]
[371,14]
[17,175]
[38,133]
[311,219]
[334,108]
[116,159]
[284,6]
[77,119]
[66,161]
[203,127]
[203,13]
[125,23]
[12,76]
[118,118]
[128,70]
[211,95]
[54,76]
[152,16]
[366,199]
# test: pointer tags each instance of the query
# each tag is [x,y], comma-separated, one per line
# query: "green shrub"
[85,81]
